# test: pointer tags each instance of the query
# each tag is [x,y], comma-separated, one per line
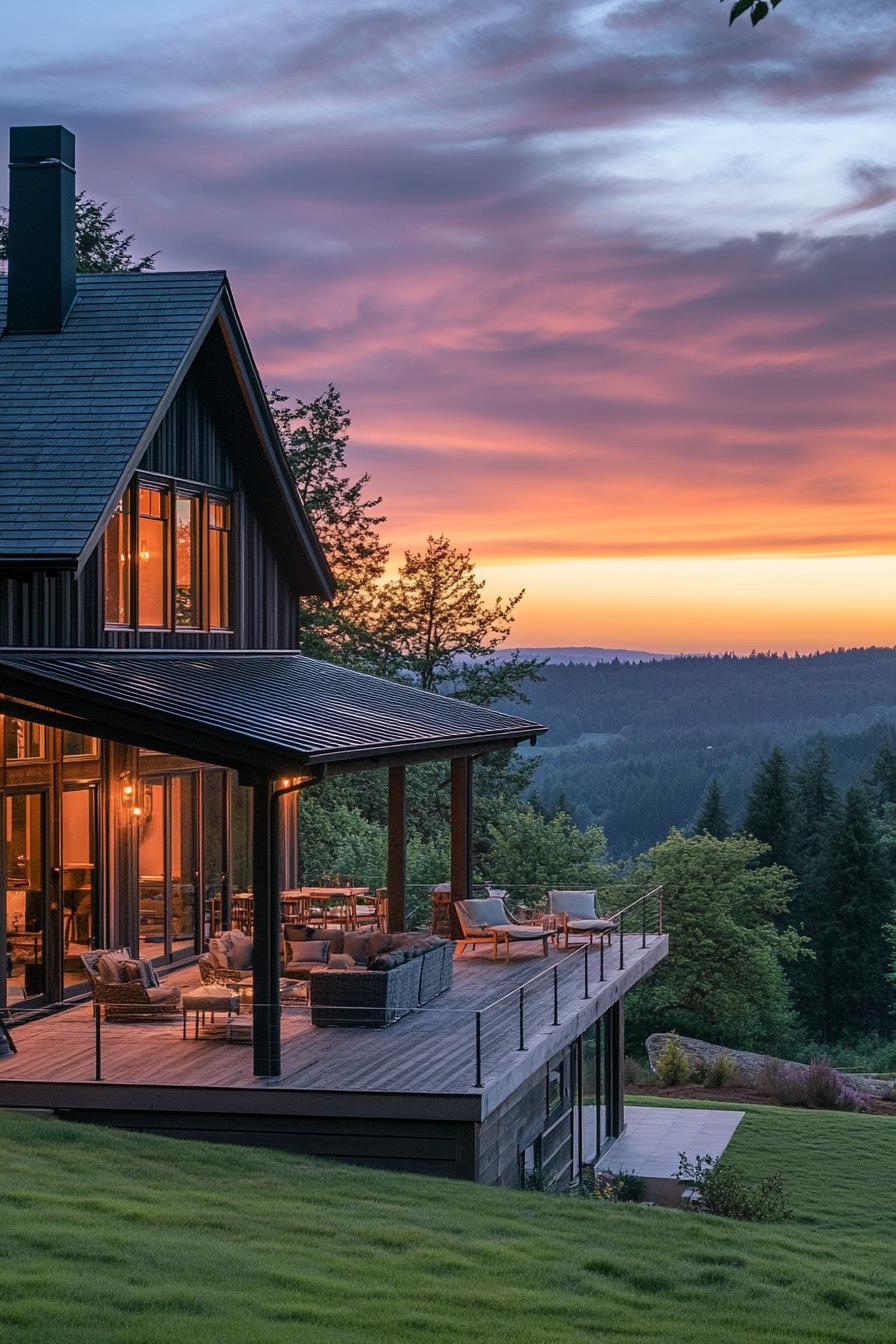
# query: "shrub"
[720,1072]
[620,1187]
[815,1086]
[724,1190]
[673,1068]
[634,1072]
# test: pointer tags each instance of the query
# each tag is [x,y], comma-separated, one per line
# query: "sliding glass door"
[169,865]
[25,892]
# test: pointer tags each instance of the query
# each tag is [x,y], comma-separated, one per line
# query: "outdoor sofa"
[392,975]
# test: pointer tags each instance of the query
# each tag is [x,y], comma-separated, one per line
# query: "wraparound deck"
[422,1067]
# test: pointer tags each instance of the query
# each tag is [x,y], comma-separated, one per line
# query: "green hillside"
[632,747]
[128,1239]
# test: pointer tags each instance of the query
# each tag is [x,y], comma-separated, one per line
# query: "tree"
[882,779]
[757,9]
[438,628]
[724,976]
[816,810]
[769,807]
[712,819]
[861,906]
[99,246]
[530,853]
[344,514]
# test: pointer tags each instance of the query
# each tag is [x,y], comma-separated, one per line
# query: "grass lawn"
[113,1238]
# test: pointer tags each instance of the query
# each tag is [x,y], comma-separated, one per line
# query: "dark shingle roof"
[252,706]
[75,404]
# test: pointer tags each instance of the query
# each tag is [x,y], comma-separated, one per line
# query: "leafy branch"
[757,9]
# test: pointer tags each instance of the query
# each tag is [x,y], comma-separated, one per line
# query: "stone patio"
[655,1136]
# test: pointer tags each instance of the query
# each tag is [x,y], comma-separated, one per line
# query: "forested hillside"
[633,747]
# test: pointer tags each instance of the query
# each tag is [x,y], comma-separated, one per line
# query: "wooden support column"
[396,876]
[266,941]
[461,834]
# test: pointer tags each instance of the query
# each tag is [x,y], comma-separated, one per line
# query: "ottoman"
[208,999]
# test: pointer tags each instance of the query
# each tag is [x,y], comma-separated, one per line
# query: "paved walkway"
[655,1135]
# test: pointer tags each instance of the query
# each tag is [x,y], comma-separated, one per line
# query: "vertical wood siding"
[45,610]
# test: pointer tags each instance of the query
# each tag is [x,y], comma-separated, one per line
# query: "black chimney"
[41,286]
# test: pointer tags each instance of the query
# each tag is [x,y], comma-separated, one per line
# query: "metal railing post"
[644,922]
[587,994]
[478,1049]
[662,893]
[602,956]
[98,1048]
[522,1044]
[622,940]
[556,1000]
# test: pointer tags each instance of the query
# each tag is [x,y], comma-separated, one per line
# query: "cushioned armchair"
[576,913]
[488,921]
[128,988]
[228,960]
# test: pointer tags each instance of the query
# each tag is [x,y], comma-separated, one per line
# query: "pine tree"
[769,806]
[816,811]
[315,436]
[712,818]
[859,997]
[883,773]
[100,248]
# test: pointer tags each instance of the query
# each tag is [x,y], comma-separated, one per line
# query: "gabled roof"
[79,407]
[254,710]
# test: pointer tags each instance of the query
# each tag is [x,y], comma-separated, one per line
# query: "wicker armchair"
[128,1000]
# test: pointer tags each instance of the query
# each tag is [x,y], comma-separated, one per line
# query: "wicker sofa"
[128,999]
[403,972]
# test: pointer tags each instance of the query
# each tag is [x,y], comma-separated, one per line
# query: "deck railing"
[535,1005]
[503,1026]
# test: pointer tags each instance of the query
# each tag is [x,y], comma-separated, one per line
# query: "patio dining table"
[324,905]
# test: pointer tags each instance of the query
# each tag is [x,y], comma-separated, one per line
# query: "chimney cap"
[32,144]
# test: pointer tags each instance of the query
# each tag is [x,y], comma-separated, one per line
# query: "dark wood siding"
[520,1121]
[45,610]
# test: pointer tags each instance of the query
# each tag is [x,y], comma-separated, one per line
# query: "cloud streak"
[596,280]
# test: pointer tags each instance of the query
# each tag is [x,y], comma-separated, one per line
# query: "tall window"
[218,564]
[118,565]
[179,541]
[152,580]
[187,610]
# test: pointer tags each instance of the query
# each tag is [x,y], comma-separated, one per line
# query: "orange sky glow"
[607,287]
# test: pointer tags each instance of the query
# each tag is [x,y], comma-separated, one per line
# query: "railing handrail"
[513,993]
[654,891]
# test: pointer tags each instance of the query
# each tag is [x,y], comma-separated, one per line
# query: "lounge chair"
[576,913]
[488,921]
[128,987]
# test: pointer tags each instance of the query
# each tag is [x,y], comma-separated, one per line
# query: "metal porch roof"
[253,709]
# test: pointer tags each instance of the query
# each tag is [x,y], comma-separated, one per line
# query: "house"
[158,729]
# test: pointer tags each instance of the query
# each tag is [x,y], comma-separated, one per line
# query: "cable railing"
[501,1028]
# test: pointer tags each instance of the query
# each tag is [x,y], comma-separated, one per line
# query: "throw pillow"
[298,933]
[109,967]
[341,961]
[309,950]
[217,954]
[239,954]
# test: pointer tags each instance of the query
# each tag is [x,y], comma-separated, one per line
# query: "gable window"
[187,609]
[167,559]
[152,550]
[218,564]
[117,565]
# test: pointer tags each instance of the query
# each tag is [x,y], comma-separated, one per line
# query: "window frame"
[173,488]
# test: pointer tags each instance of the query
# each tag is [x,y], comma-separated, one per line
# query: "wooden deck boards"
[430,1053]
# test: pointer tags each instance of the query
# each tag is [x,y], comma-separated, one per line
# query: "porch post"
[266,946]
[396,876]
[461,834]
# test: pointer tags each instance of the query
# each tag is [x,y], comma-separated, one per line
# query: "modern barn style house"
[157,729]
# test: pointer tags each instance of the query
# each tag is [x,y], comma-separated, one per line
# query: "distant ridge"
[587,654]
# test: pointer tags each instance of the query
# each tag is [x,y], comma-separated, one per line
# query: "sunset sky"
[608,288]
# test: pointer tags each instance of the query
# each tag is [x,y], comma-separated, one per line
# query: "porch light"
[129,796]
